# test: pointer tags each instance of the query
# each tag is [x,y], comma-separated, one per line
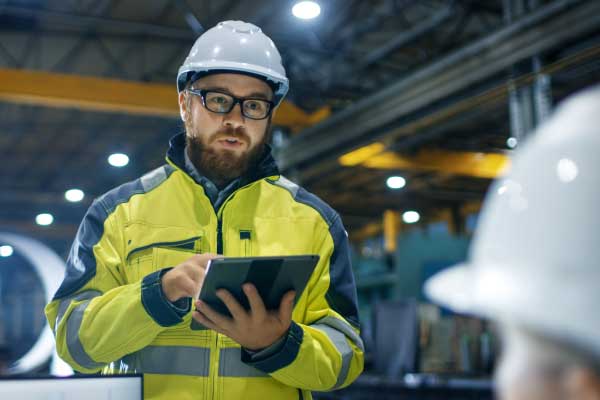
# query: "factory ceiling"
[420,89]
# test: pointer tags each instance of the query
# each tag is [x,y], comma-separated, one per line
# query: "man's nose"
[234,118]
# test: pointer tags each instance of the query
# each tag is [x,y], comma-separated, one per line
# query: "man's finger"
[196,273]
[188,285]
[234,307]
[218,319]
[286,307]
[202,319]
[202,260]
[257,306]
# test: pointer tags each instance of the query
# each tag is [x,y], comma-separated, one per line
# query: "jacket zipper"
[214,364]
[214,367]
[220,235]
[220,211]
[220,250]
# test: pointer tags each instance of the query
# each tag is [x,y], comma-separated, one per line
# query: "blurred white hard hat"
[236,46]
[535,257]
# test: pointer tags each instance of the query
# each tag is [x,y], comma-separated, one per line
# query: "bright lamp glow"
[410,217]
[306,10]
[6,251]
[396,182]
[118,160]
[566,170]
[74,195]
[44,219]
[512,142]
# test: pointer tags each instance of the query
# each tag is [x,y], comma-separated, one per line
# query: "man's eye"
[254,105]
[219,100]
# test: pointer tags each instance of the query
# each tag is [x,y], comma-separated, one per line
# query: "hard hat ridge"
[235,47]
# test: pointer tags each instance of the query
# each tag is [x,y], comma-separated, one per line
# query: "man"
[533,266]
[122,308]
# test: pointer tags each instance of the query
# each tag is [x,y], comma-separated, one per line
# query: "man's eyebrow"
[258,95]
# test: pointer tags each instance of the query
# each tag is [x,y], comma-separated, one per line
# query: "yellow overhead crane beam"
[112,95]
[480,165]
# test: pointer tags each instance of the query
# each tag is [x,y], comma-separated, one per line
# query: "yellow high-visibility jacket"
[111,315]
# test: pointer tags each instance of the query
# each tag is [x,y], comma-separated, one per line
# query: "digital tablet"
[272,276]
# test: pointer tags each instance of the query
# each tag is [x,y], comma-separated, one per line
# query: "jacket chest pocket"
[144,260]
[245,242]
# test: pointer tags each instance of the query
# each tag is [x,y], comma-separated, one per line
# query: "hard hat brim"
[268,75]
[450,288]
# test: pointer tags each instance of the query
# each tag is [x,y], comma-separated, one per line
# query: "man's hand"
[254,329]
[185,280]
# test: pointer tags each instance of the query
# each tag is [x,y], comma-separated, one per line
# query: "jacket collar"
[265,167]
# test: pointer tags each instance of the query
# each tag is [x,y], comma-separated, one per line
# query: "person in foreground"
[140,255]
[533,265]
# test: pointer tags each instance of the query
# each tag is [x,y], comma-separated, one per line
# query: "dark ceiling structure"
[430,90]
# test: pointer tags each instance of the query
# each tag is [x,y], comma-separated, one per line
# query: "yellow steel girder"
[112,95]
[480,165]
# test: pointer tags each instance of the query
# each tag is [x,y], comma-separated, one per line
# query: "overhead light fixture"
[306,10]
[410,217]
[566,170]
[74,195]
[512,142]
[118,160]
[6,251]
[396,182]
[44,219]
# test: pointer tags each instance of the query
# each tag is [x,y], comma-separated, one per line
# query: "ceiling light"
[6,251]
[396,182]
[566,170]
[306,10]
[74,195]
[118,160]
[44,219]
[410,217]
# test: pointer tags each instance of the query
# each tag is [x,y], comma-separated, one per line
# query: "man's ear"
[581,383]
[182,106]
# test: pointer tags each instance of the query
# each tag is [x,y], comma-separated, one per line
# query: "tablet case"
[272,276]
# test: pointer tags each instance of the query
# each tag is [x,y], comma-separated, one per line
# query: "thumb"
[287,306]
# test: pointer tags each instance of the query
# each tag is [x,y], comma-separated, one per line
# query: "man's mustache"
[238,133]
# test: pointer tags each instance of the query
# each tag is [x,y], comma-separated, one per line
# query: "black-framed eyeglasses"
[223,103]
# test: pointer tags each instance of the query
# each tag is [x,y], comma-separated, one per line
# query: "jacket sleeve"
[326,352]
[96,316]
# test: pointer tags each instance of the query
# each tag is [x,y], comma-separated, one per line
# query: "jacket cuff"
[156,303]
[181,306]
[258,355]
[276,360]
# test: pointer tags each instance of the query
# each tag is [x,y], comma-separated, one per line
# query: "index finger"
[203,259]
[198,270]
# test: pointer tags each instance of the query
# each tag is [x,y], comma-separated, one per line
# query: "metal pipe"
[537,32]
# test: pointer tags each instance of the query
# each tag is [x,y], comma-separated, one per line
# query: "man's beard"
[223,165]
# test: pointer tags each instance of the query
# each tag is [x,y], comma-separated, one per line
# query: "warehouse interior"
[400,115]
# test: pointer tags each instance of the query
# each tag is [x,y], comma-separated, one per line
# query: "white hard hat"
[236,46]
[535,257]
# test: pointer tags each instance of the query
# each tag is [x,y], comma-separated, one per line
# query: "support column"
[529,105]
[391,227]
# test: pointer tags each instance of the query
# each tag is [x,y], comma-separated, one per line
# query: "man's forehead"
[239,84]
